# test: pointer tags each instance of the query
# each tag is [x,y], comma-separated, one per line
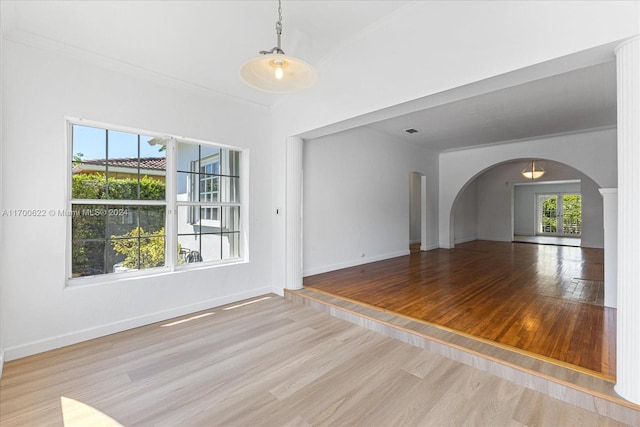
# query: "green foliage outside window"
[94,186]
[572,204]
[572,215]
[104,235]
[141,249]
[549,220]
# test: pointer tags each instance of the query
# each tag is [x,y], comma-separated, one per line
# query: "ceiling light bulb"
[266,72]
[533,171]
[279,71]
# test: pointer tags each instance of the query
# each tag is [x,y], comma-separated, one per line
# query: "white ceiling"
[203,43]
[573,101]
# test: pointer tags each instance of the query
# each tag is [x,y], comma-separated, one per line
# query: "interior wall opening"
[415,211]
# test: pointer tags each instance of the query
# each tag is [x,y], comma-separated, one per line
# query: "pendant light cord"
[276,49]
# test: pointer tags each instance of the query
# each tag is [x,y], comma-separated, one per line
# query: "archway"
[591,153]
[485,208]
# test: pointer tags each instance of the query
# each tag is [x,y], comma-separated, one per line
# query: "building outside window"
[141,202]
[209,212]
[205,186]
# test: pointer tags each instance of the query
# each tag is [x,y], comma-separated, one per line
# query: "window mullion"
[171,227]
[117,202]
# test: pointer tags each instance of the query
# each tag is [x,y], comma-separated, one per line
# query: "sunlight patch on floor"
[78,414]
[245,303]
[188,319]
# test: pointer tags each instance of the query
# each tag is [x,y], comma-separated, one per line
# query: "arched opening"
[499,203]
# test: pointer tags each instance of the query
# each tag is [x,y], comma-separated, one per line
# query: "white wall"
[592,215]
[525,203]
[356,198]
[441,45]
[594,152]
[39,90]
[1,194]
[466,214]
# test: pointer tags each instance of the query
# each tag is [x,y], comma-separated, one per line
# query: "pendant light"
[274,71]
[533,171]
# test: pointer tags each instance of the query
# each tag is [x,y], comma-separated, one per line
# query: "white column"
[610,219]
[293,214]
[628,319]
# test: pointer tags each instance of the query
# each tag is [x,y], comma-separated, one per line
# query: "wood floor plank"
[541,299]
[274,362]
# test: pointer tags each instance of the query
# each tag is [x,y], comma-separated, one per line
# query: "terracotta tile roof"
[155,163]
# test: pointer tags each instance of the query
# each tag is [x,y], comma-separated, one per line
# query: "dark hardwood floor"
[541,299]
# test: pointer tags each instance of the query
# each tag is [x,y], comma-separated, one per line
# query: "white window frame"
[192,202]
[196,189]
[171,207]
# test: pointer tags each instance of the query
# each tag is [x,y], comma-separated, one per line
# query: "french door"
[559,214]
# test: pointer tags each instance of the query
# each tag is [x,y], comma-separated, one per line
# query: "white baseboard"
[353,263]
[28,349]
[465,239]
[1,360]
[429,248]
[495,238]
[278,291]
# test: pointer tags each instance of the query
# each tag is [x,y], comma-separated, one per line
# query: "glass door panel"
[571,214]
[559,214]
[547,214]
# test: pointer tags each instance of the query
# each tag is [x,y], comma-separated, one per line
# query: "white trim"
[625,43]
[207,204]
[465,239]
[47,344]
[118,202]
[159,134]
[429,248]
[171,211]
[532,138]
[560,181]
[244,209]
[354,262]
[68,126]
[3,27]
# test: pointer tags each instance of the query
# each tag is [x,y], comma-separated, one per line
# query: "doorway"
[559,214]
[415,211]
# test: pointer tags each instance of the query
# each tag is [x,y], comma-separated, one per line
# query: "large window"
[140,202]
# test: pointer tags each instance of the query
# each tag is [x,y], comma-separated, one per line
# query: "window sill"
[112,278]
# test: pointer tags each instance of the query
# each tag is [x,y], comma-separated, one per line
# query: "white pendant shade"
[262,73]
[533,171]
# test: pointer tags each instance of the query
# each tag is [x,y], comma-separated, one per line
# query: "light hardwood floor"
[542,299]
[271,363]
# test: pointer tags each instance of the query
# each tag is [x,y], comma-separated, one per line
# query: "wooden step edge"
[614,399]
[506,347]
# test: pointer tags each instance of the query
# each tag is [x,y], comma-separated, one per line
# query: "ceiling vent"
[411,130]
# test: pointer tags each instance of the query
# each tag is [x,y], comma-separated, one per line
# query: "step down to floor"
[564,382]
